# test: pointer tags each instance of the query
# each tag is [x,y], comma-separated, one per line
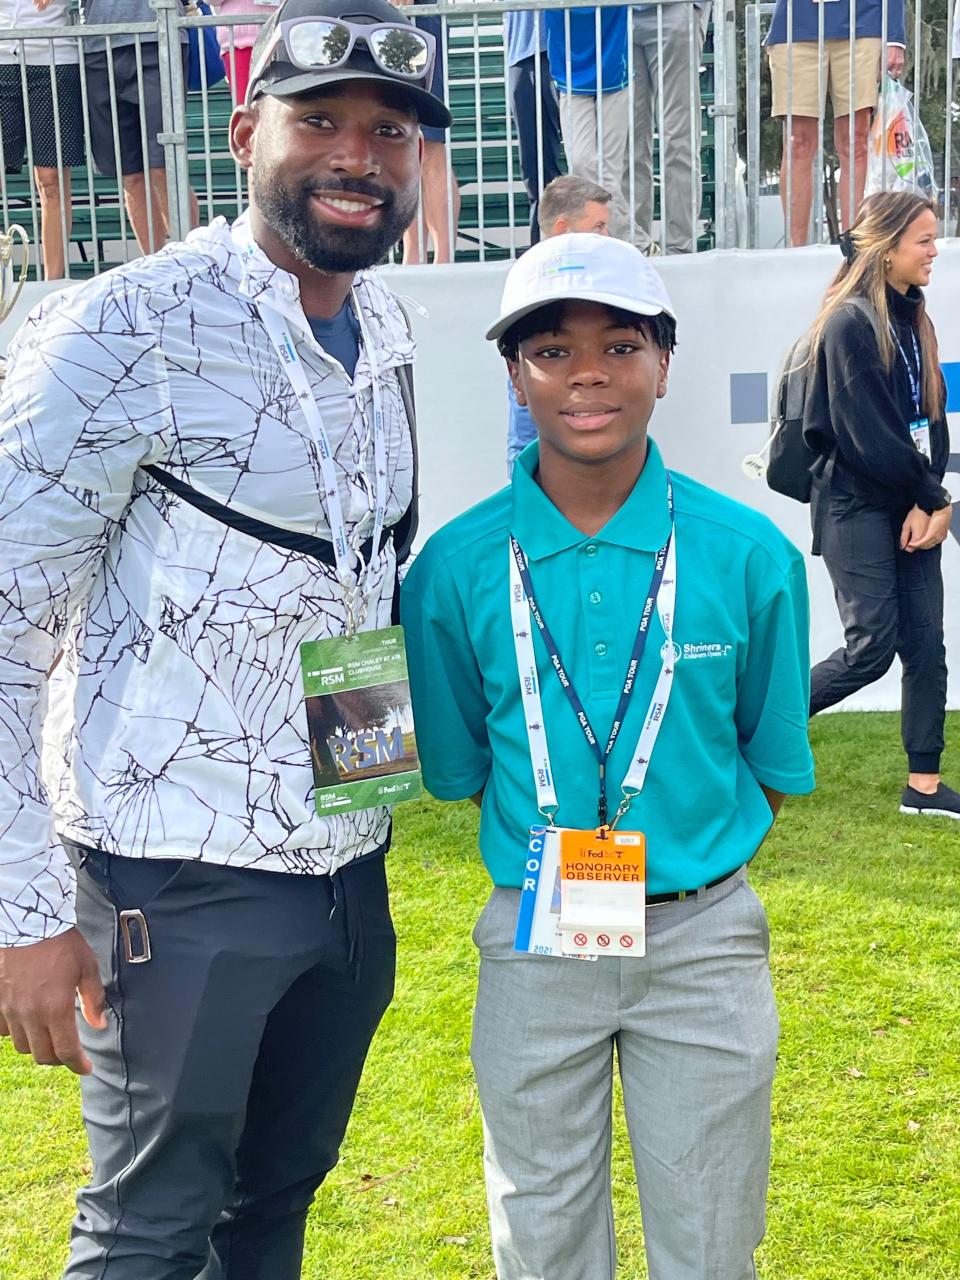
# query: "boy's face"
[591,386]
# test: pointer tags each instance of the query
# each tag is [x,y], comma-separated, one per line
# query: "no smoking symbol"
[602,940]
[580,939]
[626,941]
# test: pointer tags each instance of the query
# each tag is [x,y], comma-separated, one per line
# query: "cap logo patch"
[563,264]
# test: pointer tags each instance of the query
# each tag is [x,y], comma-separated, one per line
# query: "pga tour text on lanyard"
[662,597]
[913,373]
[351,580]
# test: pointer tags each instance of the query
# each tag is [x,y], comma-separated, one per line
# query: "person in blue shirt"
[589,64]
[527,621]
[569,204]
[793,46]
[533,100]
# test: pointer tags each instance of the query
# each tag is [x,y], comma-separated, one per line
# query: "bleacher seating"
[477,97]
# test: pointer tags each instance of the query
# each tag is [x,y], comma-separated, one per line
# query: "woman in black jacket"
[875,406]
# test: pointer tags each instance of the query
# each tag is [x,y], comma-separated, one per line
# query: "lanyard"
[279,334]
[662,596]
[345,549]
[914,377]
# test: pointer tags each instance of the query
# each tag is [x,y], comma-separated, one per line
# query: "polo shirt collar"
[641,524]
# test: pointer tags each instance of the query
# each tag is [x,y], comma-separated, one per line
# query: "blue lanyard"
[914,377]
[639,644]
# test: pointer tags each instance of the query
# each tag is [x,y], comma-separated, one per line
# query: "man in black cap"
[206,462]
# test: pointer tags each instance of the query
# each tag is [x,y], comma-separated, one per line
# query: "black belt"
[655,899]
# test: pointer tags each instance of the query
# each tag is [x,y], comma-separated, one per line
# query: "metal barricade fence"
[821,185]
[688,100]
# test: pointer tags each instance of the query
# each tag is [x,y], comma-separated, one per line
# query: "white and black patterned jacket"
[176,725]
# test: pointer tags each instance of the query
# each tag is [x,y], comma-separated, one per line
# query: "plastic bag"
[898,155]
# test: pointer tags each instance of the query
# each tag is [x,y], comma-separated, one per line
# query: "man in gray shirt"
[122,151]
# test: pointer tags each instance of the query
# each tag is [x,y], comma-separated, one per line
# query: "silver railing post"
[724,112]
[948,136]
[752,34]
[174,109]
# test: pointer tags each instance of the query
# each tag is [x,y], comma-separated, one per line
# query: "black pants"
[523,99]
[891,604]
[223,1083]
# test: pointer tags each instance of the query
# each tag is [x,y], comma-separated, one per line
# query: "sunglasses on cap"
[399,49]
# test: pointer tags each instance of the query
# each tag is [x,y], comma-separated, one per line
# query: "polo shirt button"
[600,649]
[591,548]
[595,597]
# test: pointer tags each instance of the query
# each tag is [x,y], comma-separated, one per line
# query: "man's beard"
[327,247]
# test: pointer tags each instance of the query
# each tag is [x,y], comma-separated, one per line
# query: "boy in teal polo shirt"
[605,642]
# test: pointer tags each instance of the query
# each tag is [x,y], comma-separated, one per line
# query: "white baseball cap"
[582,267]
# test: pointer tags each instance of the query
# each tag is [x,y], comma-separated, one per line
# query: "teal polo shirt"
[738,712]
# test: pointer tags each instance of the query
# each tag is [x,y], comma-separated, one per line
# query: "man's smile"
[352,210]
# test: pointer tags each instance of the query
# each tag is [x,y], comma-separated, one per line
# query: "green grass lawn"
[865,920]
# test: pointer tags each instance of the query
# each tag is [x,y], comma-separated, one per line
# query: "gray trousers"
[676,54]
[694,1026]
[222,1085]
[595,129]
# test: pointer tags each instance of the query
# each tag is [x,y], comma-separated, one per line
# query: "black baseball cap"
[283,79]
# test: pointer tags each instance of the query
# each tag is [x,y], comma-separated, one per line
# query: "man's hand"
[938,526]
[914,529]
[40,5]
[895,60]
[37,988]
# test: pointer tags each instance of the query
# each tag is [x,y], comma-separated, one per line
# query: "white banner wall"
[738,312]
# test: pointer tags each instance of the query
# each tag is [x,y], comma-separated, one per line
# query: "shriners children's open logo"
[691,652]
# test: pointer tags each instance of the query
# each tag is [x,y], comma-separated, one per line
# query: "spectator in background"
[124,104]
[237,41]
[526,46]
[439,210]
[800,67]
[669,50]
[50,64]
[594,101]
[567,204]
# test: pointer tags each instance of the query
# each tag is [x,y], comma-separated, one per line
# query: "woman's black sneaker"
[944,803]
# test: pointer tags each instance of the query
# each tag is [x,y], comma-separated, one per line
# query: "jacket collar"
[258,279]
[903,306]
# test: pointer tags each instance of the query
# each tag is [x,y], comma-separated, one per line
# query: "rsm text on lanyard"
[352,580]
[660,596]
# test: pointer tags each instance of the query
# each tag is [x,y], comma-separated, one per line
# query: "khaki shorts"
[836,75]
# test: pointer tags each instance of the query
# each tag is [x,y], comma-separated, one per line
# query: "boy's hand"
[774,798]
